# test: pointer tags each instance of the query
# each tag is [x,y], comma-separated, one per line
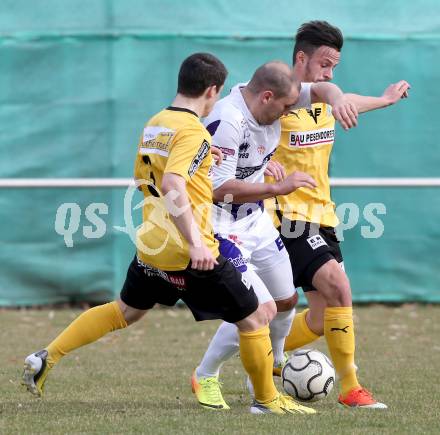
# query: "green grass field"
[137,380]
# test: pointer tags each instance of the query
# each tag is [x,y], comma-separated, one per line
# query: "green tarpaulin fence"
[79,78]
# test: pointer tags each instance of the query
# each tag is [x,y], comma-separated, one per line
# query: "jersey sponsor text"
[311,138]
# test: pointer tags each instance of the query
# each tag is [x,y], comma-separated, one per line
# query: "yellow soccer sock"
[257,358]
[339,333]
[87,328]
[300,334]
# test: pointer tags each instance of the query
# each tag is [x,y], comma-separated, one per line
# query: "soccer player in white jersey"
[245,126]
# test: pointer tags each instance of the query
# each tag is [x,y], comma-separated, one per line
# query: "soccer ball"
[308,375]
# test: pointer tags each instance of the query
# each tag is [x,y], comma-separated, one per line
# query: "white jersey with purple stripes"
[246,233]
[247,148]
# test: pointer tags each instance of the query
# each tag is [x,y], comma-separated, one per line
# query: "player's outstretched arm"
[392,94]
[343,109]
[241,192]
[176,200]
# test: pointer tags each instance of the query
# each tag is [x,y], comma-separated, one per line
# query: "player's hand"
[201,257]
[394,92]
[217,155]
[275,170]
[345,112]
[295,181]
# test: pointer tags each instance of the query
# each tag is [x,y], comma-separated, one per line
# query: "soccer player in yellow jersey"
[308,215]
[177,255]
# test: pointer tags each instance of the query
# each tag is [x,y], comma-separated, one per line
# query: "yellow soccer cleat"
[208,392]
[280,405]
[35,372]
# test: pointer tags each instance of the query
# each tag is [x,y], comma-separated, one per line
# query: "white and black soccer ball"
[308,375]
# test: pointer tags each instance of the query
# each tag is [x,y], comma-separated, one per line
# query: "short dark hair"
[315,34]
[274,76]
[198,72]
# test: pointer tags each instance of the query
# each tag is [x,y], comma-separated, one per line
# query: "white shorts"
[260,250]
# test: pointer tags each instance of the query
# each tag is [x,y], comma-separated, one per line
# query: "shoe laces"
[211,386]
[288,402]
[366,393]
[363,392]
[293,405]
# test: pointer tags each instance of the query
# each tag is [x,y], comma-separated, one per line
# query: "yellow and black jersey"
[173,141]
[306,142]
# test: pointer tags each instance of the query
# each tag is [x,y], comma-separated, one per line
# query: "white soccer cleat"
[35,372]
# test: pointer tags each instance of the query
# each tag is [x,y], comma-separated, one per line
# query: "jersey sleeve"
[227,137]
[305,97]
[189,149]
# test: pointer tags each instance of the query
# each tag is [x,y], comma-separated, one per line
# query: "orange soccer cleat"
[360,398]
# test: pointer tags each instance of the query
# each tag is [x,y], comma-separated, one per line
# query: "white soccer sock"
[279,330]
[224,344]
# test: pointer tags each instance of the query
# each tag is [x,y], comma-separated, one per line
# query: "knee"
[336,290]
[287,304]
[131,315]
[261,317]
[340,293]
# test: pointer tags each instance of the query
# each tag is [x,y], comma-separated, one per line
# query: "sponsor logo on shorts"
[152,271]
[279,243]
[178,281]
[316,241]
[238,262]
[232,253]
[245,282]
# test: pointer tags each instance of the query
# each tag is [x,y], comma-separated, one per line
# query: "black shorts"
[309,246]
[220,293]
